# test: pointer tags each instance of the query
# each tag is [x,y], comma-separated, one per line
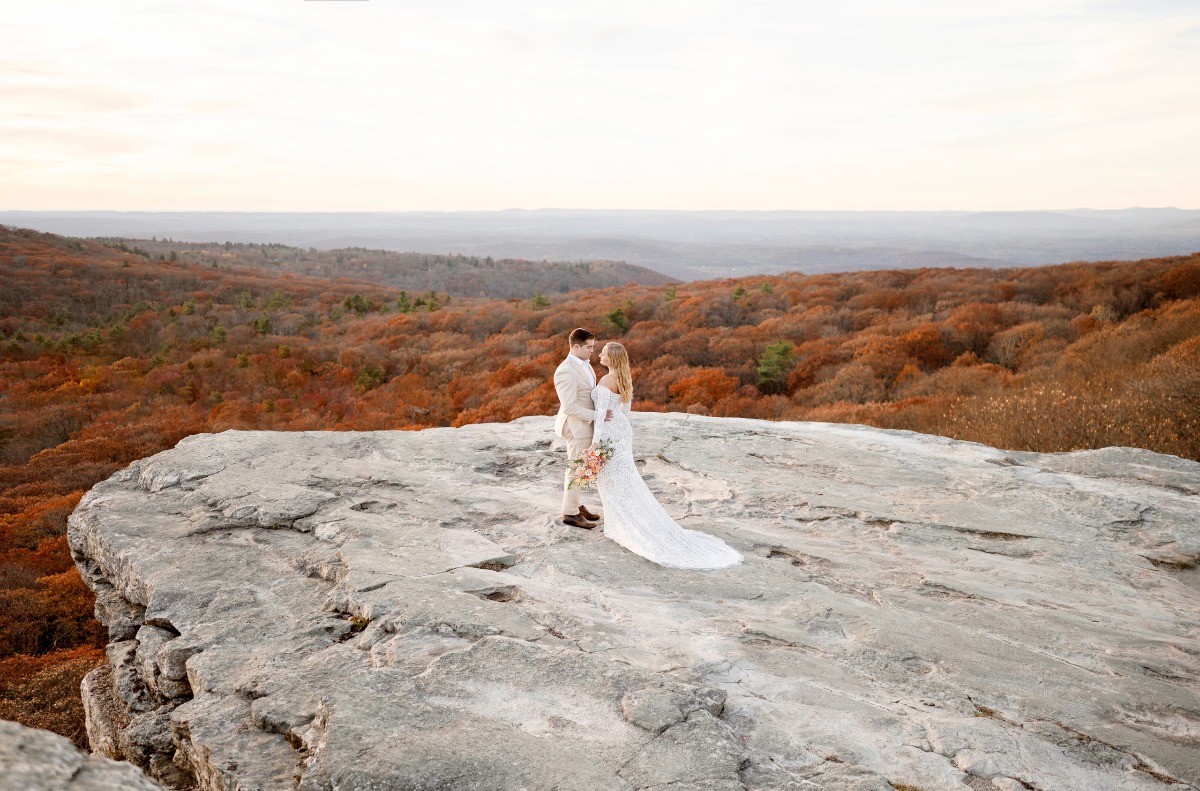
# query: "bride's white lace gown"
[632,516]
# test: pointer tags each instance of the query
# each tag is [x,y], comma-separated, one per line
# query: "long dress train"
[632,516]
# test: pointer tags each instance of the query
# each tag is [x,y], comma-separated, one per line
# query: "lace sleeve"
[600,399]
[628,407]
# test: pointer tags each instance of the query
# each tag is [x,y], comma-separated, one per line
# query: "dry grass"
[43,691]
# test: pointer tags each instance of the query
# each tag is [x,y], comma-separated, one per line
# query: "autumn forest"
[112,350]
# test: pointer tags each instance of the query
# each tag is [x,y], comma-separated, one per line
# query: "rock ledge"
[350,610]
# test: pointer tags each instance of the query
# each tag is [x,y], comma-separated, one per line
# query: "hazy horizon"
[833,210]
[688,245]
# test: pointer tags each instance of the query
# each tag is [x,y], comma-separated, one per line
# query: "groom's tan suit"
[574,380]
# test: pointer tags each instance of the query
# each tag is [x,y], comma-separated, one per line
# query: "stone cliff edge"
[354,610]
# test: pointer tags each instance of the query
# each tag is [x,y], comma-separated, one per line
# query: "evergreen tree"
[774,366]
[357,303]
[618,321]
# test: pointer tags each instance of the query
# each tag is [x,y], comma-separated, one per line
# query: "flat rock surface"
[403,610]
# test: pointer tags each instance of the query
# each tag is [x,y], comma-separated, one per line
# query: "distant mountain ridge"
[464,276]
[685,244]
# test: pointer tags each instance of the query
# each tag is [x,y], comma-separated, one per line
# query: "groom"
[574,380]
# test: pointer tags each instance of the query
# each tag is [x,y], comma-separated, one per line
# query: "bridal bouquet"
[585,469]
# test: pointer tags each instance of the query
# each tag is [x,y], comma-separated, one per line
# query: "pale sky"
[384,105]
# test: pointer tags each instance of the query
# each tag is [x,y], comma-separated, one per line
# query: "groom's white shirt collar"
[587,365]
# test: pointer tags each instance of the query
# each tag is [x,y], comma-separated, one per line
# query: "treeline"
[464,275]
[107,357]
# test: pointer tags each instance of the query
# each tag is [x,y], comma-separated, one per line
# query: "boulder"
[32,759]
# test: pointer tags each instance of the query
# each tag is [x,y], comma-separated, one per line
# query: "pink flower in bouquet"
[586,468]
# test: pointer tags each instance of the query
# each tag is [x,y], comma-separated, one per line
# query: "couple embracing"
[590,412]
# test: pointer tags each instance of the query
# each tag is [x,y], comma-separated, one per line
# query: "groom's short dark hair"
[580,336]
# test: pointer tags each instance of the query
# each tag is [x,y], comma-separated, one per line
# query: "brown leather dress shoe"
[578,521]
[586,514]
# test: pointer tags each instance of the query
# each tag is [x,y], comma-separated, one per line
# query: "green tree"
[402,303]
[357,303]
[262,325]
[618,321]
[669,295]
[91,340]
[220,334]
[774,366]
[370,378]
[738,293]
[539,301]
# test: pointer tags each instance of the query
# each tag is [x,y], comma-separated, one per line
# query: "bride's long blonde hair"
[620,369]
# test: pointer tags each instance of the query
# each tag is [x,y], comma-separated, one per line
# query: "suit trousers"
[576,445]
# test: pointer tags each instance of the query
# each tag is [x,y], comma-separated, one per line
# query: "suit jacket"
[576,411]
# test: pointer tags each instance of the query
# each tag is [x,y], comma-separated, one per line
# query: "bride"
[632,516]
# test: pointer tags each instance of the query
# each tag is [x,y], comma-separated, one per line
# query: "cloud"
[219,106]
[43,140]
[47,98]
[649,103]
